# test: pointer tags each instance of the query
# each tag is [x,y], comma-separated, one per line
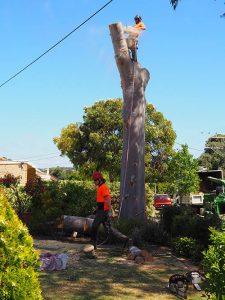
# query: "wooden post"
[134,80]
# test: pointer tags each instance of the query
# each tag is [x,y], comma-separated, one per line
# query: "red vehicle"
[161,200]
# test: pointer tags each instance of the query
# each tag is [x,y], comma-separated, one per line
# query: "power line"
[190,147]
[56,44]
[46,158]
[35,156]
[49,155]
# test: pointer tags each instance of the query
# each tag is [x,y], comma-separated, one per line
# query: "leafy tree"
[174,4]
[61,172]
[159,141]
[182,172]
[97,142]
[213,157]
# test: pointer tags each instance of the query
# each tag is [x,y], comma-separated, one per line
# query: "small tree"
[18,259]
[213,157]
[182,172]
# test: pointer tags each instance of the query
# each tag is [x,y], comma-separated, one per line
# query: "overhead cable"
[56,44]
[189,147]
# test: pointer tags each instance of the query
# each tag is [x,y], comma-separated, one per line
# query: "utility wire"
[46,158]
[36,156]
[49,155]
[190,147]
[56,44]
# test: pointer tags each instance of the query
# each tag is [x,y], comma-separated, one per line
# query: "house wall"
[22,170]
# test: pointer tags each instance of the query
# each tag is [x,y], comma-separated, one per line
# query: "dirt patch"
[111,276]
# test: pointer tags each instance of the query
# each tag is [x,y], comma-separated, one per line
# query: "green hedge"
[68,197]
[18,259]
[214,265]
[181,221]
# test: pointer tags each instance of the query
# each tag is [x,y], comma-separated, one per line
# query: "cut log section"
[71,224]
[139,256]
[78,224]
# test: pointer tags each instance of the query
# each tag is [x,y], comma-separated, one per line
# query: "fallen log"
[71,224]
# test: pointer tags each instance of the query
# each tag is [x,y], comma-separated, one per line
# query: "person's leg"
[94,229]
[99,218]
[134,54]
[107,223]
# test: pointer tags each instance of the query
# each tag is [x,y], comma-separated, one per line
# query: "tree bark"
[78,224]
[134,80]
[83,225]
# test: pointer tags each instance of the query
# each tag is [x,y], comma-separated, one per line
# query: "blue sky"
[184,50]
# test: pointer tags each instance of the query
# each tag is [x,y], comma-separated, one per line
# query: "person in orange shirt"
[132,39]
[103,206]
[138,23]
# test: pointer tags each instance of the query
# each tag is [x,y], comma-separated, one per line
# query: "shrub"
[167,216]
[149,231]
[18,259]
[9,180]
[214,265]
[181,221]
[19,199]
[127,226]
[187,247]
[152,232]
[54,199]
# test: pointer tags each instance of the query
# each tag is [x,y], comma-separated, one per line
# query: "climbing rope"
[128,142]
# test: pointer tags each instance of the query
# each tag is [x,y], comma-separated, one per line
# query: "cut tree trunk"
[70,224]
[77,224]
[134,80]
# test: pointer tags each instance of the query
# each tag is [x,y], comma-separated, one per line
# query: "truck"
[195,200]
[203,200]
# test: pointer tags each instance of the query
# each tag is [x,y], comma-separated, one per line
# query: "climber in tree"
[133,34]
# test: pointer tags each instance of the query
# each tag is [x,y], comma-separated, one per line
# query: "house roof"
[2,158]
[14,162]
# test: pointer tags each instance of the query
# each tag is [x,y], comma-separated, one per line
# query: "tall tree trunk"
[134,80]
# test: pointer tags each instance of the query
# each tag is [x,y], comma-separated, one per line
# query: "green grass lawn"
[111,276]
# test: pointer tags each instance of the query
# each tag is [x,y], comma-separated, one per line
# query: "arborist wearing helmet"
[133,34]
[138,23]
[103,206]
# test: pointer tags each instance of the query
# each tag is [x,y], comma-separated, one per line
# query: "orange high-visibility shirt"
[101,193]
[140,25]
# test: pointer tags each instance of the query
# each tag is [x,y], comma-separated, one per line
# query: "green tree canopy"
[174,4]
[96,143]
[213,157]
[182,172]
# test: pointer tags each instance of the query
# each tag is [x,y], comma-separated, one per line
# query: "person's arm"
[108,202]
